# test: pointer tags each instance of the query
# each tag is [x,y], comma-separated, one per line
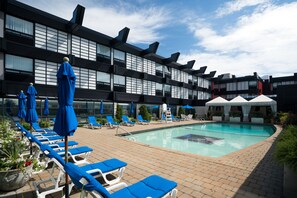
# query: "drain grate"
[199,138]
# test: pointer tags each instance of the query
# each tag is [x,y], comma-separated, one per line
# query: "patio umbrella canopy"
[31,114]
[187,107]
[22,103]
[45,110]
[66,122]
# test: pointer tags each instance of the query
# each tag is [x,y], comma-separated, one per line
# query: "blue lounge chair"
[153,186]
[93,122]
[37,128]
[82,152]
[111,123]
[141,120]
[126,121]
[103,169]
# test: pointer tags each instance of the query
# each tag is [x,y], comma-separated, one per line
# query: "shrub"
[26,125]
[217,113]
[256,114]
[119,112]
[44,124]
[286,147]
[144,113]
[102,121]
[181,111]
[291,119]
[235,114]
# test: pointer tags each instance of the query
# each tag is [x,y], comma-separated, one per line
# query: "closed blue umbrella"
[66,122]
[45,110]
[101,108]
[22,104]
[31,114]
[132,109]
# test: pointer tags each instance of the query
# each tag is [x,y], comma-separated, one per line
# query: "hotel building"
[33,44]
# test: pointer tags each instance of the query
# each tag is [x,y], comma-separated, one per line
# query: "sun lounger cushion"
[52,138]
[76,151]
[105,166]
[62,144]
[152,186]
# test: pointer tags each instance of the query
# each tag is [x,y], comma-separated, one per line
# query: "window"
[159,89]
[195,80]
[231,86]
[206,83]
[50,39]
[85,78]
[149,88]
[119,80]
[46,72]
[190,94]
[149,67]
[175,74]
[190,79]
[119,55]
[17,63]
[133,85]
[103,78]
[200,82]
[243,85]
[19,25]
[253,83]
[83,48]
[167,71]
[103,50]
[134,62]
[167,90]
[176,92]
[159,70]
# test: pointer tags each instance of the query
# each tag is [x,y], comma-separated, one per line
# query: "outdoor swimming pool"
[210,139]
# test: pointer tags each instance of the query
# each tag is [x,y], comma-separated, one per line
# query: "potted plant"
[257,117]
[235,116]
[286,154]
[217,116]
[15,167]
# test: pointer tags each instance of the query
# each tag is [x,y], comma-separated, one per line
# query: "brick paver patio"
[250,172]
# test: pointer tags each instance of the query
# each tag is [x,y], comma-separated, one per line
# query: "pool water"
[210,139]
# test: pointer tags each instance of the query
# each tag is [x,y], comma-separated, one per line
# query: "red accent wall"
[260,87]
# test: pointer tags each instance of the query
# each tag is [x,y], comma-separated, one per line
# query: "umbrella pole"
[31,141]
[66,175]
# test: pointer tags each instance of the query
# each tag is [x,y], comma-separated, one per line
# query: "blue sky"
[233,36]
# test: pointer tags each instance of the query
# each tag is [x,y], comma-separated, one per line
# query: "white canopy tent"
[260,100]
[219,102]
[240,101]
[263,100]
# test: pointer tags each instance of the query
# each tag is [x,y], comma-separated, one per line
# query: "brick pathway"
[250,172]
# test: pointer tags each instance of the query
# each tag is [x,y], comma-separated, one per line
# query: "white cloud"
[263,42]
[144,23]
[237,5]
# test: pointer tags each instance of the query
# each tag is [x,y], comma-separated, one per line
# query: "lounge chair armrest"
[118,185]
[94,171]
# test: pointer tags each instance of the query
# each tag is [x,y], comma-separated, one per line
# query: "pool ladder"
[129,138]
